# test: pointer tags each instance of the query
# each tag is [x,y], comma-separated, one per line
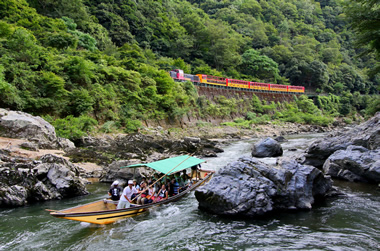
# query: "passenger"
[143,180]
[150,197]
[177,177]
[195,170]
[174,187]
[115,191]
[143,193]
[185,181]
[125,199]
[137,186]
[163,194]
[158,184]
[154,195]
[168,186]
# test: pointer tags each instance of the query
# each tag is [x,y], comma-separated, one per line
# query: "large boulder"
[366,135]
[248,187]
[23,181]
[267,148]
[16,124]
[356,163]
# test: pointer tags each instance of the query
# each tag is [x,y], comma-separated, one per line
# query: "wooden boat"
[105,212]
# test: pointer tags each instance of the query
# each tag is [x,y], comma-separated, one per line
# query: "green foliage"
[373,106]
[108,60]
[132,126]
[74,128]
[259,66]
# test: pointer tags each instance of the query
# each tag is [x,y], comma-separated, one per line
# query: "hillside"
[82,63]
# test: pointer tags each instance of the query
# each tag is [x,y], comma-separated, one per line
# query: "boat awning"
[164,166]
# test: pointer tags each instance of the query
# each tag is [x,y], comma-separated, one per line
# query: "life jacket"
[115,193]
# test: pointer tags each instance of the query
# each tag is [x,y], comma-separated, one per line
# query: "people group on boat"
[150,189]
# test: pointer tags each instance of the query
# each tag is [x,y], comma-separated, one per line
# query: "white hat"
[130,182]
[115,183]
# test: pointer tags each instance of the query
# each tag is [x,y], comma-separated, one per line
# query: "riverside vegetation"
[87,65]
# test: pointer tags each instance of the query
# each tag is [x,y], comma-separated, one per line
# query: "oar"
[162,177]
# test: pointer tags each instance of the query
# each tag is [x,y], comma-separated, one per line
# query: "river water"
[349,222]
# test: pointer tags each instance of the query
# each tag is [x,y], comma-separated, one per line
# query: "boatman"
[115,191]
[125,199]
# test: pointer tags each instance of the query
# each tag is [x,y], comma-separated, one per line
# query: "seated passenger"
[162,194]
[143,180]
[185,181]
[174,187]
[137,186]
[142,193]
[150,197]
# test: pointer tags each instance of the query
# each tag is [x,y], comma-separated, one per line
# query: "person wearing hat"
[115,191]
[125,199]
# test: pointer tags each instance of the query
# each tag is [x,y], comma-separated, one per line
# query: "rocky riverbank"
[29,139]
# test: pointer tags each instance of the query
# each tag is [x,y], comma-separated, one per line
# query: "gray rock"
[14,124]
[280,139]
[29,146]
[267,148]
[366,134]
[23,181]
[356,163]
[192,140]
[65,143]
[249,187]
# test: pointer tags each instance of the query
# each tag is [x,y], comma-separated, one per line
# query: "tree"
[259,66]
[364,16]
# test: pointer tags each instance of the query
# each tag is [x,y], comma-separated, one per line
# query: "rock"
[16,124]
[356,163]
[267,148]
[192,140]
[29,146]
[23,181]
[280,139]
[366,134]
[65,144]
[251,188]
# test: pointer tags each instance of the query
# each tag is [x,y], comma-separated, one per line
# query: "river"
[349,222]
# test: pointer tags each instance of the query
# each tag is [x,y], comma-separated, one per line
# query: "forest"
[91,64]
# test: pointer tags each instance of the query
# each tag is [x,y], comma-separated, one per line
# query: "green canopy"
[178,163]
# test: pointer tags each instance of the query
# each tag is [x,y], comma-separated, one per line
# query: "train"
[179,75]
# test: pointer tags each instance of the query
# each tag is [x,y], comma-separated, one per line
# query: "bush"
[74,128]
[132,125]
[108,127]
